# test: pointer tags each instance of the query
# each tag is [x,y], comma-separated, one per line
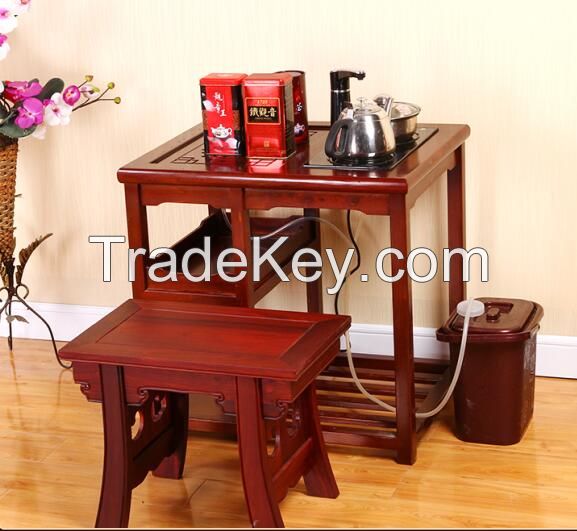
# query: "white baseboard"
[556,355]
[66,320]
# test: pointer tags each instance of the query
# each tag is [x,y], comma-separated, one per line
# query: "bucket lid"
[503,320]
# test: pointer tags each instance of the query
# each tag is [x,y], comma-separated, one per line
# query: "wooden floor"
[51,452]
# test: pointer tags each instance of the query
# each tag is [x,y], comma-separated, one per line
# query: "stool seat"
[209,339]
[143,359]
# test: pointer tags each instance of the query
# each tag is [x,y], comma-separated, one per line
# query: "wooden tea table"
[177,172]
[143,359]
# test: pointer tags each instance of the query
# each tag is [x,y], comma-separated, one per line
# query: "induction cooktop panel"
[320,160]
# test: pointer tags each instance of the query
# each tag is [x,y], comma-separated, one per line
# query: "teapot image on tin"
[221,131]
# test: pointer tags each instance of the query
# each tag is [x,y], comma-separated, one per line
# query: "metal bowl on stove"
[403,119]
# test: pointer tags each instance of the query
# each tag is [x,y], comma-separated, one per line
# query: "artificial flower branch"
[91,101]
[27,107]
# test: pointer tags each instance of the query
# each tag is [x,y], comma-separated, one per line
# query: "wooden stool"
[142,359]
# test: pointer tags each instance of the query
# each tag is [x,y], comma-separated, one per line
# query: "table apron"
[218,197]
[138,381]
[369,203]
[263,199]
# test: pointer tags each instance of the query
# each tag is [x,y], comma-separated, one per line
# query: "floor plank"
[51,460]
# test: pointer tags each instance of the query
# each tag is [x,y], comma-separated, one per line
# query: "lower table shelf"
[217,229]
[348,418]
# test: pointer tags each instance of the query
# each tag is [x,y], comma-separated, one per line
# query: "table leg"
[137,234]
[240,221]
[315,289]
[116,490]
[456,226]
[403,335]
[256,476]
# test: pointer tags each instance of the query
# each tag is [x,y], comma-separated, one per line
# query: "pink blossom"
[8,12]
[71,95]
[57,110]
[21,6]
[19,90]
[89,91]
[30,113]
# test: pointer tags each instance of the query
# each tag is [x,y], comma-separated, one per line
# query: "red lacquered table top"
[208,339]
[180,162]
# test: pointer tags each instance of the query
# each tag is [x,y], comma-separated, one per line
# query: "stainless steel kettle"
[363,134]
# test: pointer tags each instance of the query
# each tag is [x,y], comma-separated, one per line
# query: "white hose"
[356,380]
[297,221]
[451,388]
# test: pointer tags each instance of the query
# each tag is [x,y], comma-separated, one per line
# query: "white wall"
[506,68]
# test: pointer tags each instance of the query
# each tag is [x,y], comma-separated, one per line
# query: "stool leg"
[172,466]
[319,480]
[116,492]
[256,476]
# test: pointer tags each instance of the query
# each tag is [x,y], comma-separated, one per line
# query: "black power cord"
[357,265]
[302,220]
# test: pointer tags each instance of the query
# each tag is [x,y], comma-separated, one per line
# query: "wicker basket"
[8,158]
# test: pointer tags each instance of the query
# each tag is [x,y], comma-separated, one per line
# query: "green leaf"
[51,87]
[11,130]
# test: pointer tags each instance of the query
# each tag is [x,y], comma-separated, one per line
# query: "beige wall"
[506,68]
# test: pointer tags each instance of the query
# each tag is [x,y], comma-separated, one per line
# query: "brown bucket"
[495,393]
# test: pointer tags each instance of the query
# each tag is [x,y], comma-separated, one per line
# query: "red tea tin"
[269,115]
[300,105]
[222,114]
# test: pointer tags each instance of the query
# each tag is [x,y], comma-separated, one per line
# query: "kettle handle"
[340,126]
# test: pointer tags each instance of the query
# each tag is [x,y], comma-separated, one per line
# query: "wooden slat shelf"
[382,390]
[344,409]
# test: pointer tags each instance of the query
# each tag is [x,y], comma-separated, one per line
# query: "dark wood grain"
[279,345]
[145,357]
[319,480]
[116,491]
[456,218]
[137,222]
[157,167]
[172,466]
[314,289]
[262,506]
[403,335]
[169,174]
